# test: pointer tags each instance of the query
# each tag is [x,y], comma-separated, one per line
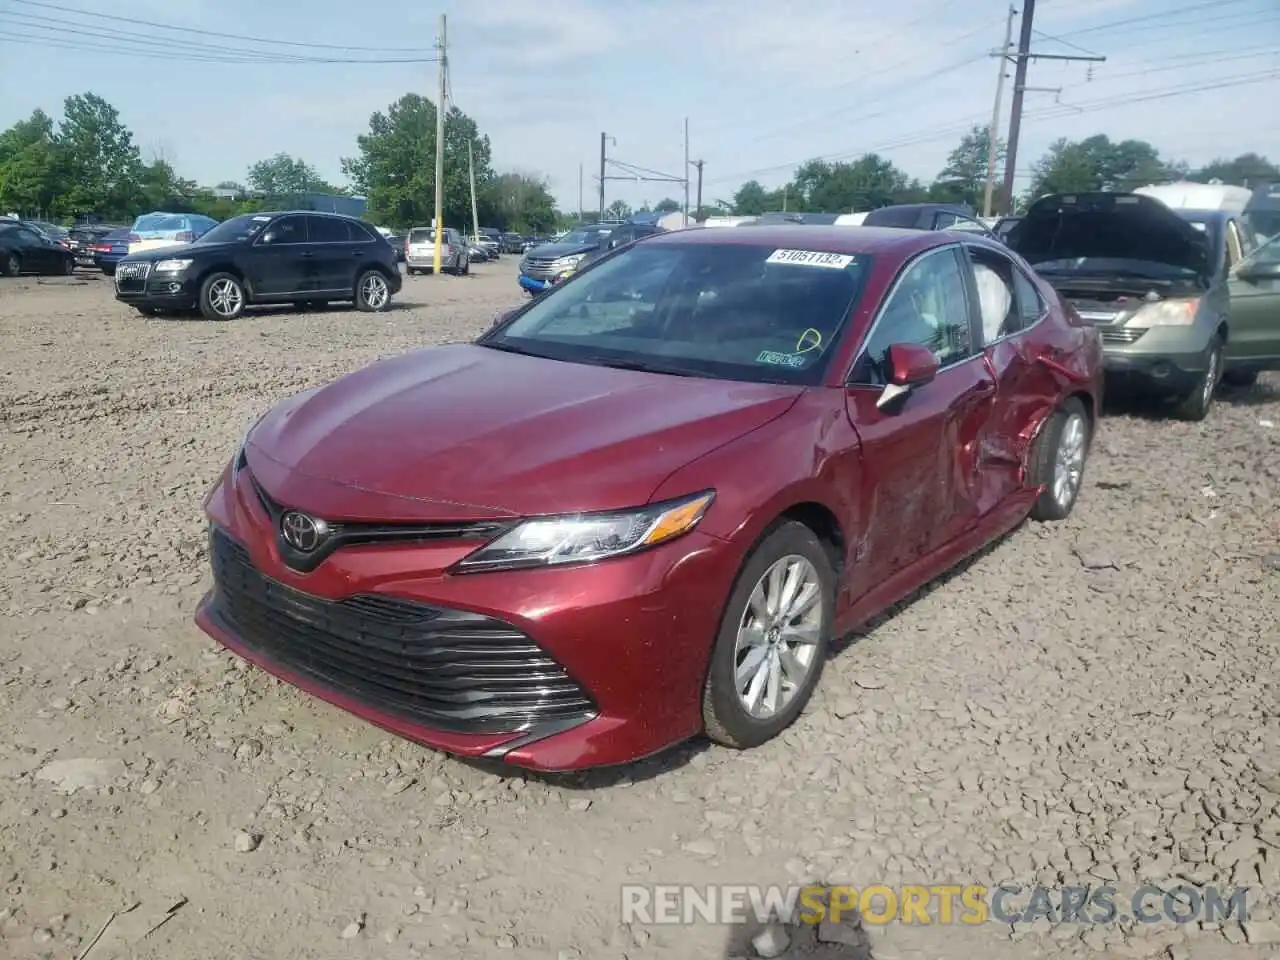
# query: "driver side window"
[286,230]
[928,306]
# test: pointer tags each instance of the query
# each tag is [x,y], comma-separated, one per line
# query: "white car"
[152,230]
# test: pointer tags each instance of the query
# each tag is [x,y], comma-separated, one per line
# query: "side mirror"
[911,365]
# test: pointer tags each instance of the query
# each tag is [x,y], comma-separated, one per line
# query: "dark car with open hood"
[645,504]
[291,257]
[1174,312]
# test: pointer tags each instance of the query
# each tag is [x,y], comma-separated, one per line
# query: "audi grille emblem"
[302,532]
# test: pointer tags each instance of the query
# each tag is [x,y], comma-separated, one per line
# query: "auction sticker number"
[811,258]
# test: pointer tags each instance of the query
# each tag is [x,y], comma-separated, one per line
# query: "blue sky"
[764,85]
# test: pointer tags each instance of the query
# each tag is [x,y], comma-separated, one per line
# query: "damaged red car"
[642,506]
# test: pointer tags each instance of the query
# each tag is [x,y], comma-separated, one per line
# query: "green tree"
[751,200]
[1097,163]
[160,187]
[618,210]
[521,202]
[284,175]
[964,178]
[98,163]
[866,183]
[28,166]
[1246,170]
[666,205]
[395,164]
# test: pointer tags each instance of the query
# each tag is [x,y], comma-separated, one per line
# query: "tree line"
[1068,166]
[87,163]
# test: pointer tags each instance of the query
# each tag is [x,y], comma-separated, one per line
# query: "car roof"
[849,240]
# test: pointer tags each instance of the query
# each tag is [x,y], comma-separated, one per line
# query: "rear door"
[1010,308]
[919,456]
[1254,341]
[281,261]
[335,255]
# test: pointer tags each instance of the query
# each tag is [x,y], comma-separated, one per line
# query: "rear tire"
[222,297]
[1058,461]
[411,271]
[68,267]
[12,265]
[775,652]
[373,293]
[109,271]
[1196,405]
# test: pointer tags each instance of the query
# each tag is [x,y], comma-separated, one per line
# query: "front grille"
[446,669]
[132,277]
[1123,335]
[537,267]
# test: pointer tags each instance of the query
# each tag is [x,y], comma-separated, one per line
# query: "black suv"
[291,257]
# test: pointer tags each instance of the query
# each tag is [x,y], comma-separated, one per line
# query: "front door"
[282,263]
[919,455]
[39,253]
[1254,341]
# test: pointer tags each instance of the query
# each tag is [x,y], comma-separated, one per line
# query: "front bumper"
[1168,359]
[533,284]
[165,290]
[563,669]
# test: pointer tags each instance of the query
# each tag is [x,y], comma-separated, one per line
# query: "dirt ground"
[1091,701]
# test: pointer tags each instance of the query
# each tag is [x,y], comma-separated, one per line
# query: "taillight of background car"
[186,236]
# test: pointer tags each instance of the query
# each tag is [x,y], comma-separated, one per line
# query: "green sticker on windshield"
[781,359]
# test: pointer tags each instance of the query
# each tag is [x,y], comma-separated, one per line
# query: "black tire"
[109,271]
[466,267]
[1240,379]
[1056,503]
[12,265]
[366,296]
[68,267]
[725,718]
[411,271]
[222,297]
[146,311]
[1195,406]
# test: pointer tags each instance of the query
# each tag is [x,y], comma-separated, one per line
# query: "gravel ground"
[1090,701]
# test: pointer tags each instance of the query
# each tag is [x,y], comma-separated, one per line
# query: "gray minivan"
[420,252]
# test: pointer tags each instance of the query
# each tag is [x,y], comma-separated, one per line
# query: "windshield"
[236,229]
[580,237]
[724,311]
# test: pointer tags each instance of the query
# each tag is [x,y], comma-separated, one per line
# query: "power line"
[1163,15]
[213,33]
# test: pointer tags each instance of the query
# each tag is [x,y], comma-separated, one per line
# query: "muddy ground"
[1092,701]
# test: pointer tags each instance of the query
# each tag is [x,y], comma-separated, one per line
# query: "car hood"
[468,432]
[170,250]
[1110,226]
[562,249]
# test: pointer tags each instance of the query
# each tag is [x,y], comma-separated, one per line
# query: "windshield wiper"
[646,367]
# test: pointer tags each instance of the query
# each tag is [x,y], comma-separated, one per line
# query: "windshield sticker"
[261,219]
[809,341]
[811,258]
[781,359]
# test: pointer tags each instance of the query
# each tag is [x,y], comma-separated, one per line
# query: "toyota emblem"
[302,532]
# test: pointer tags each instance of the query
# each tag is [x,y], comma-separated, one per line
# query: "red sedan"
[642,505]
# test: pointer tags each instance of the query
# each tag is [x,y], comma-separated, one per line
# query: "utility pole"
[697,207]
[443,65]
[579,193]
[471,168]
[993,131]
[1022,58]
[604,138]
[686,171]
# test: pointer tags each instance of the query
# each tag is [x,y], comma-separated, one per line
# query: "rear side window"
[327,230]
[363,232]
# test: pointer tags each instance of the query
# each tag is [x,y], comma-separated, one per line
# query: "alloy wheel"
[226,297]
[374,291]
[14,266]
[1068,467]
[778,636]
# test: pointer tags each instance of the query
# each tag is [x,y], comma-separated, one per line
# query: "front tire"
[1240,379]
[68,267]
[373,293]
[1196,405]
[222,297]
[773,639]
[1058,461]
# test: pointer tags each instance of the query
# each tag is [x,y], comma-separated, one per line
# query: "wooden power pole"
[993,131]
[443,65]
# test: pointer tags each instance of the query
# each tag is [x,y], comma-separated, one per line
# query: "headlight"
[567,263]
[552,541]
[172,266]
[1165,313]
